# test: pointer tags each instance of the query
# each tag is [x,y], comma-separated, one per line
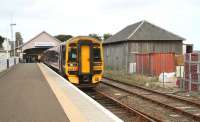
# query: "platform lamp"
[11,28]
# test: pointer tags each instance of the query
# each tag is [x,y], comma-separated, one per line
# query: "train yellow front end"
[84,61]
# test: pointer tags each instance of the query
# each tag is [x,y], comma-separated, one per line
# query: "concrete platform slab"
[25,96]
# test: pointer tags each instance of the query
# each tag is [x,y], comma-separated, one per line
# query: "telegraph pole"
[11,28]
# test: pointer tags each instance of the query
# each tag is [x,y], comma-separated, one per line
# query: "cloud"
[81,17]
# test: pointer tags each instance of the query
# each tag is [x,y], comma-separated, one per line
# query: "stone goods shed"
[142,37]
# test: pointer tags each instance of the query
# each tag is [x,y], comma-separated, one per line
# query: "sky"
[82,17]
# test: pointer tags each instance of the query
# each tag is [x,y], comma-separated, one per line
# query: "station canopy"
[39,43]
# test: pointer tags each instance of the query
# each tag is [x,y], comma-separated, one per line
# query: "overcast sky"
[81,17]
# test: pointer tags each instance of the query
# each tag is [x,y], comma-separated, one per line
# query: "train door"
[85,59]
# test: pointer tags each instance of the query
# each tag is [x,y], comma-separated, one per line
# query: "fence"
[191,81]
[7,63]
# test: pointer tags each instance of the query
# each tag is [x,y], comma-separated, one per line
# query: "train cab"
[84,61]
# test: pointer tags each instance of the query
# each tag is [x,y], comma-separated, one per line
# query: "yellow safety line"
[69,108]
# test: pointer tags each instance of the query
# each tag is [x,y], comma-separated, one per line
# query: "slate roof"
[142,30]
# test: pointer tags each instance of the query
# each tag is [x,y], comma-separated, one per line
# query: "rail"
[123,111]
[159,98]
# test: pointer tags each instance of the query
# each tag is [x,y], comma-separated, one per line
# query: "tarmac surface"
[25,96]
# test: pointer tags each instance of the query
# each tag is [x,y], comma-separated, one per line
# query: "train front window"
[96,54]
[72,54]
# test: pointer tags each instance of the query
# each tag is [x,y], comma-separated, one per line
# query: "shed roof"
[142,30]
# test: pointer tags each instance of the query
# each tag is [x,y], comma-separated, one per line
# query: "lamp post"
[7,49]
[11,28]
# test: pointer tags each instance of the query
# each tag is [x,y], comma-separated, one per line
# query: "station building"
[34,47]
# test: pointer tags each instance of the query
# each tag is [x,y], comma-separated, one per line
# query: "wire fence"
[186,68]
[7,63]
[191,80]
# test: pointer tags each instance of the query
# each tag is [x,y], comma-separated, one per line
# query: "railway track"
[183,107]
[121,110]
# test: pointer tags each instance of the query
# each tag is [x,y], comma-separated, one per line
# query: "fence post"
[162,56]
[142,64]
[7,63]
[14,61]
[189,83]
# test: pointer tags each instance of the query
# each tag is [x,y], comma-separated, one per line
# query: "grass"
[136,79]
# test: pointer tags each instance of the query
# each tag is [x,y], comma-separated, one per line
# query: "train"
[79,60]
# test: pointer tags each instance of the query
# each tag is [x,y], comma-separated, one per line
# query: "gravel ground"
[144,106]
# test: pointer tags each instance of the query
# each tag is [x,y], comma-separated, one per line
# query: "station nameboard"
[42,44]
[19,51]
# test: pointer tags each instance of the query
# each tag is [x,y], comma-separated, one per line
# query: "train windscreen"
[72,54]
[96,54]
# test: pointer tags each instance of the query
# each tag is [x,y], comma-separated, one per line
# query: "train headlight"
[72,64]
[97,64]
[96,79]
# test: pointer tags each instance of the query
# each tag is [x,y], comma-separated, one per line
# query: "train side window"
[72,54]
[96,54]
[63,54]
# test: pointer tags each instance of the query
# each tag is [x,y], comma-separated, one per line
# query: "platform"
[35,93]
[25,96]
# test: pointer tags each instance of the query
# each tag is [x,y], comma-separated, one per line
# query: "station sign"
[44,44]
[19,51]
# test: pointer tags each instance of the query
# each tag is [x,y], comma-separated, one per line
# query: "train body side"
[54,57]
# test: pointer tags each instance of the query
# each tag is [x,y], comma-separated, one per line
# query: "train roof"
[74,39]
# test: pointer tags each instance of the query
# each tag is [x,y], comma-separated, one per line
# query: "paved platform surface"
[25,96]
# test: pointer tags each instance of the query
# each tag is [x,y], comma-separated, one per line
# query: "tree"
[95,36]
[63,37]
[1,41]
[18,39]
[106,36]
